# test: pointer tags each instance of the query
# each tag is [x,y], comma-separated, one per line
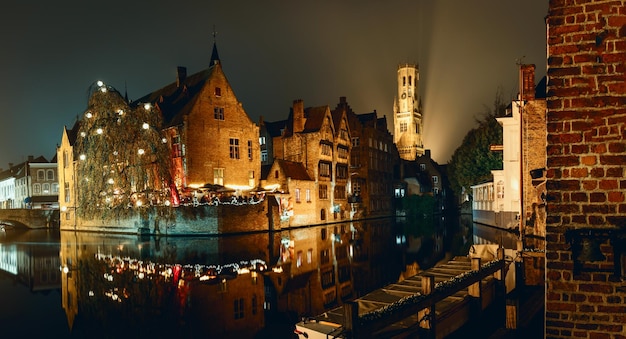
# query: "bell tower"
[407,117]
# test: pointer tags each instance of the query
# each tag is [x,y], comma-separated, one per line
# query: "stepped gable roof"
[314,118]
[293,170]
[176,100]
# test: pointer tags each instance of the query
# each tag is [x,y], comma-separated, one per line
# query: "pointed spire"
[215,58]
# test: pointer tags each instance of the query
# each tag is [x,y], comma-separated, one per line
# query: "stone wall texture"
[586,153]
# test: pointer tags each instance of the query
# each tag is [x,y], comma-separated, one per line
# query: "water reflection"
[238,286]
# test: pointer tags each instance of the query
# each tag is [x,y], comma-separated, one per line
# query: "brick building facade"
[586,152]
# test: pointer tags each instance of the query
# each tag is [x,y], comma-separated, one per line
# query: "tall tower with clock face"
[407,117]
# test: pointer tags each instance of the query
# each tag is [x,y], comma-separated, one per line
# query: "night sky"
[272,53]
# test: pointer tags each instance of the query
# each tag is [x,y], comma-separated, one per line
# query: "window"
[323,192]
[309,256]
[403,127]
[325,256]
[299,259]
[264,155]
[355,159]
[323,214]
[342,172]
[55,188]
[218,92]
[36,189]
[342,152]
[218,113]
[234,148]
[218,176]
[324,169]
[323,235]
[276,174]
[328,279]
[422,167]
[261,141]
[46,188]
[355,142]
[255,307]
[238,305]
[66,191]
[308,195]
[326,149]
[41,175]
[65,159]
[343,134]
[356,187]
[435,179]
[297,195]
[249,149]
[50,174]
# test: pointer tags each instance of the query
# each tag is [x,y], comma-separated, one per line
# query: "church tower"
[407,117]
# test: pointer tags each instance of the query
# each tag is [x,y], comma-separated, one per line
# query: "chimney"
[342,100]
[31,158]
[298,116]
[181,75]
[527,82]
[427,153]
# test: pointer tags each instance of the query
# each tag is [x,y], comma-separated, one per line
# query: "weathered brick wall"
[586,152]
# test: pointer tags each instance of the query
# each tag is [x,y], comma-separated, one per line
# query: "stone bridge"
[30,218]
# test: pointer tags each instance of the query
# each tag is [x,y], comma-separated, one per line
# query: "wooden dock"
[456,292]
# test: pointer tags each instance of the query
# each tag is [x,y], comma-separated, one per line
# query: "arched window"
[50,174]
[323,214]
[41,175]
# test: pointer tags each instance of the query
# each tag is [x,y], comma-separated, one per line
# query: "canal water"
[85,285]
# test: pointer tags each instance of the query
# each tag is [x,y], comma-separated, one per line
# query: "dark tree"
[473,160]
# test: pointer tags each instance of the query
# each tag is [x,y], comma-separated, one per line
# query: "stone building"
[407,114]
[212,138]
[586,153]
[373,157]
[30,184]
[320,141]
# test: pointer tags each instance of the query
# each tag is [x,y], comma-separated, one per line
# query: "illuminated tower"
[407,117]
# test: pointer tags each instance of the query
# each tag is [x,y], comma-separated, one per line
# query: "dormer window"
[218,92]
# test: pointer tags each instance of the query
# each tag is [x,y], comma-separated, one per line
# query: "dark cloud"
[272,51]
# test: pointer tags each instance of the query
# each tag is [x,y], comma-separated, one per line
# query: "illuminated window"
[234,148]
[342,152]
[299,259]
[297,195]
[218,176]
[309,256]
[308,195]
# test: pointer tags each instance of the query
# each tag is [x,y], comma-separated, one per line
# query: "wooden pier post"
[351,316]
[474,289]
[427,317]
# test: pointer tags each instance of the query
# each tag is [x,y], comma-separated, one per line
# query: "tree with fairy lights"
[122,157]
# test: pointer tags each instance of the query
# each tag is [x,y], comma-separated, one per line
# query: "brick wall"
[586,153]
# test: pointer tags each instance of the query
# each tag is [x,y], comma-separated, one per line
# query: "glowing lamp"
[164,140]
[100,83]
[110,181]
[147,106]
[99,131]
[145,125]
[88,115]
[141,151]
[83,134]
[103,89]
[82,157]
